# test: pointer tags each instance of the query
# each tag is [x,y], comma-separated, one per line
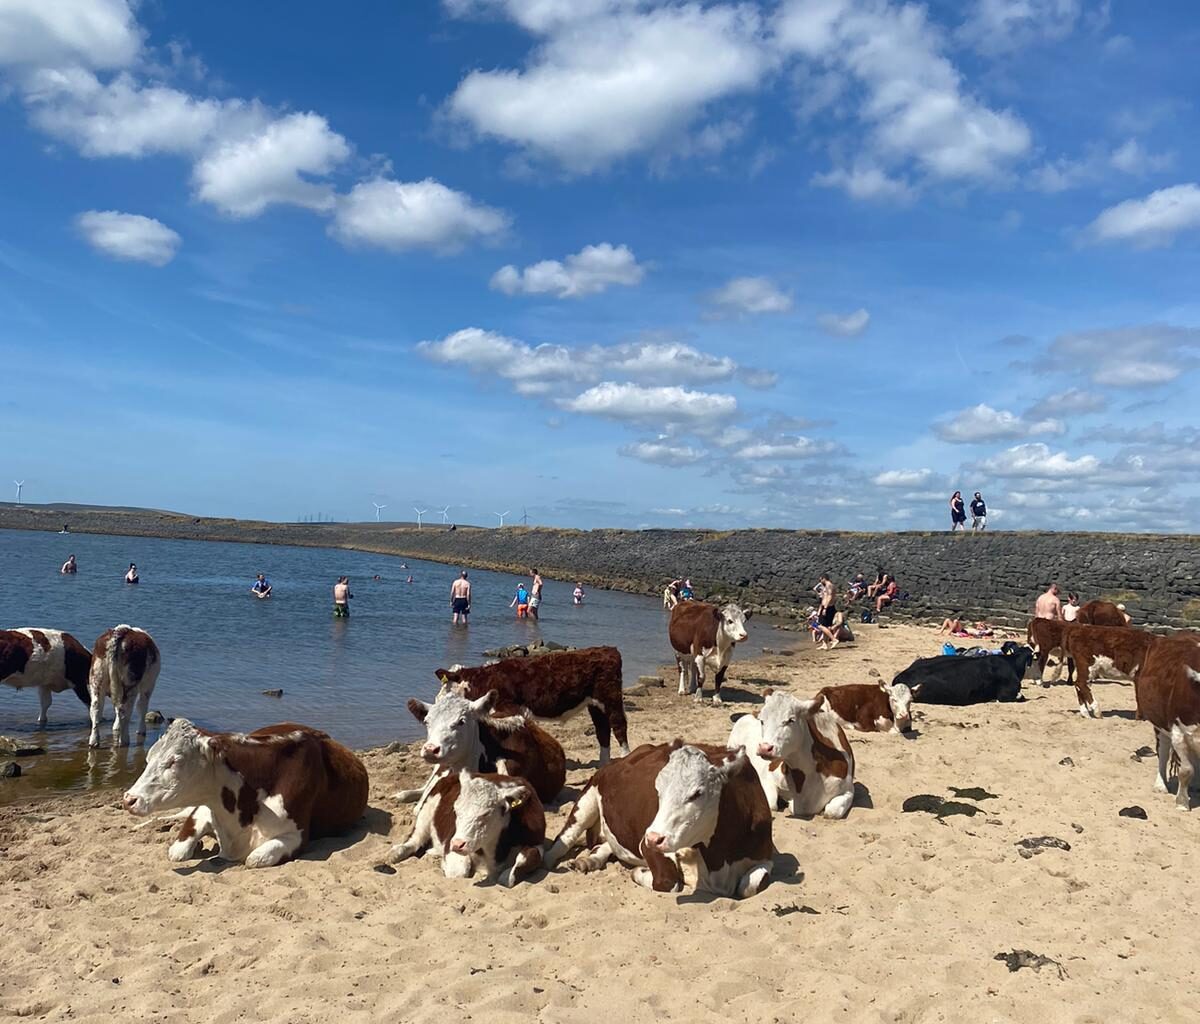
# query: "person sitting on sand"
[521,600]
[261,587]
[857,588]
[341,598]
[132,575]
[578,595]
[841,629]
[888,595]
[69,568]
[952,626]
[881,579]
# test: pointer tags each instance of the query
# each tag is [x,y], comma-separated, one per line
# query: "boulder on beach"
[10,747]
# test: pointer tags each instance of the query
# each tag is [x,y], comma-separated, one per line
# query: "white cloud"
[242,177]
[865,182]
[1128,357]
[982,423]
[663,454]
[749,295]
[1072,402]
[636,403]
[610,79]
[903,478]
[1037,461]
[1131,157]
[407,215]
[57,33]
[590,271]
[849,326]
[996,27]
[128,236]
[1153,220]
[798,447]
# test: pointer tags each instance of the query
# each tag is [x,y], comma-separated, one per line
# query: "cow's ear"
[515,796]
[485,703]
[768,691]
[734,763]
[443,675]
[418,708]
[675,744]
[748,616]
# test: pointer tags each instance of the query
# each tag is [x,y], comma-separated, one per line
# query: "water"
[221,647]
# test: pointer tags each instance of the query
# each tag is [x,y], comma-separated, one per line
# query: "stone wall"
[995,576]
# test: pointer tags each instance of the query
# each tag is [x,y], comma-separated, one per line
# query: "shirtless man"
[460,598]
[827,613]
[1048,605]
[69,567]
[535,594]
[341,598]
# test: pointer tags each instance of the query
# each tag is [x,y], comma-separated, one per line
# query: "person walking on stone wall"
[978,514]
[958,512]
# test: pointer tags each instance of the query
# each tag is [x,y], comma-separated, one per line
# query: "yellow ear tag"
[515,802]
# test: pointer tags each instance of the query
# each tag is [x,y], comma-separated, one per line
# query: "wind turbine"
[20,484]
[445,515]
[524,516]
[378,509]
[420,512]
[501,515]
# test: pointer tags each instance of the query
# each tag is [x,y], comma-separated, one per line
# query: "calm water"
[221,647]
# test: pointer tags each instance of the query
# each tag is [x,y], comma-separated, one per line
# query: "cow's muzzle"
[766,749]
[656,841]
[133,804]
[431,752]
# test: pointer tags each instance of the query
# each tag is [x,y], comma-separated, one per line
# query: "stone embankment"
[992,576]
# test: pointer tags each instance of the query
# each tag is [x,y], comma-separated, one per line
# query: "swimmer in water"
[409,580]
[132,575]
[579,595]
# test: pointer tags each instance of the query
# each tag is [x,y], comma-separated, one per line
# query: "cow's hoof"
[716,700]
[399,852]
[1160,786]
[183,849]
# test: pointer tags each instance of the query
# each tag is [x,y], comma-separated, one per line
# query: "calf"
[1102,650]
[1168,697]
[678,815]
[799,751]
[555,686]
[1102,613]
[702,633]
[263,794]
[49,659]
[460,733]
[479,821]
[1045,636]
[870,707]
[125,664]
[952,679]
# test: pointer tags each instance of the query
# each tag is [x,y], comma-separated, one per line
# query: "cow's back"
[1125,646]
[629,800]
[693,626]
[860,704]
[539,757]
[955,680]
[549,684]
[1168,683]
[1100,613]
[1045,634]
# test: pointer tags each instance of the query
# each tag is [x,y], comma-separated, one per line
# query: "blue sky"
[810,263]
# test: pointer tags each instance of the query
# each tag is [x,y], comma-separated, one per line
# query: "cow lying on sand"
[48,659]
[800,753]
[680,815]
[870,707]
[703,634]
[1168,697]
[953,679]
[1102,651]
[461,733]
[263,794]
[125,665]
[479,822]
[554,686]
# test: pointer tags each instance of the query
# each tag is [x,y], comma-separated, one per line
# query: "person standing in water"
[69,568]
[132,575]
[460,598]
[579,595]
[341,598]
[261,586]
[521,600]
[535,595]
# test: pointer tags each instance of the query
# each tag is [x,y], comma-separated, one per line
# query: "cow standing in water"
[125,664]
[703,634]
[48,659]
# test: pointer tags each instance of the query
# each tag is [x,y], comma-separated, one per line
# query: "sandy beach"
[886,916]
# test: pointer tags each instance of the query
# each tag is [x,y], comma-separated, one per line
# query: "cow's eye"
[695,796]
[170,762]
[790,721]
[460,723]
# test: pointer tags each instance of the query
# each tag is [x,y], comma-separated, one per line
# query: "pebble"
[1133,812]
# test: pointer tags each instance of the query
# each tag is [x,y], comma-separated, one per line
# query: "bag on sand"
[868,616]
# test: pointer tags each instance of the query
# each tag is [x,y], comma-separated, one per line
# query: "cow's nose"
[458,845]
[656,839]
[129,801]
[431,750]
[766,749]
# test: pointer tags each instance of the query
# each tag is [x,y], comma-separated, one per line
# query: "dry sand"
[886,916]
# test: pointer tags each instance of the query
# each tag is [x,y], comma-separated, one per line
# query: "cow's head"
[900,698]
[450,680]
[481,811]
[733,623]
[174,773]
[452,727]
[784,721]
[689,798]
[1019,655]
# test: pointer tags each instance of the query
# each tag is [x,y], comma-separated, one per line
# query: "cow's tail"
[114,675]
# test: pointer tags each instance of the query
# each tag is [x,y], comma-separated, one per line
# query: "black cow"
[954,679]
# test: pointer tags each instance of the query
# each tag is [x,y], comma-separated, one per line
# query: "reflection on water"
[221,647]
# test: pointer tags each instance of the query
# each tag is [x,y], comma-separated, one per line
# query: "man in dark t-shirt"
[978,513]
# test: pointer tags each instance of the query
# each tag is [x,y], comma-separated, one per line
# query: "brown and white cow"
[48,659]
[1168,697]
[125,664]
[799,751]
[680,815]
[870,707]
[479,822]
[262,794]
[1045,637]
[1102,613]
[461,733]
[554,686]
[1102,651]
[701,634]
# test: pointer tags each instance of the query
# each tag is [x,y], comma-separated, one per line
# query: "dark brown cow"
[263,795]
[870,707]
[1045,636]
[703,634]
[1109,651]
[680,815]
[1101,613]
[48,659]
[1168,697]
[554,686]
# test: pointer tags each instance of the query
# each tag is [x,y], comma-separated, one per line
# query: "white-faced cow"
[461,733]
[48,659]
[681,816]
[870,707]
[1168,697]
[125,664]
[479,823]
[554,686]
[800,752]
[1102,652]
[703,634]
[262,794]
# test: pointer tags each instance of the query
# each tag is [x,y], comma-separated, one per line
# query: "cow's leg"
[603,730]
[44,696]
[121,721]
[718,679]
[1039,666]
[528,860]
[754,880]
[411,796]
[698,669]
[1187,769]
[196,826]
[592,860]
[274,851]
[1163,739]
[1087,703]
[1060,659]
[421,835]
[143,706]
[96,709]
[584,816]
[839,806]
[685,675]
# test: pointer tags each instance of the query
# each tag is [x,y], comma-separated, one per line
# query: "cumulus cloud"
[590,271]
[1131,157]
[849,326]
[982,423]
[638,403]
[1127,357]
[903,478]
[128,236]
[1072,402]
[57,33]
[749,295]
[798,447]
[663,454]
[400,215]
[997,27]
[1037,462]
[1151,221]
[865,182]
